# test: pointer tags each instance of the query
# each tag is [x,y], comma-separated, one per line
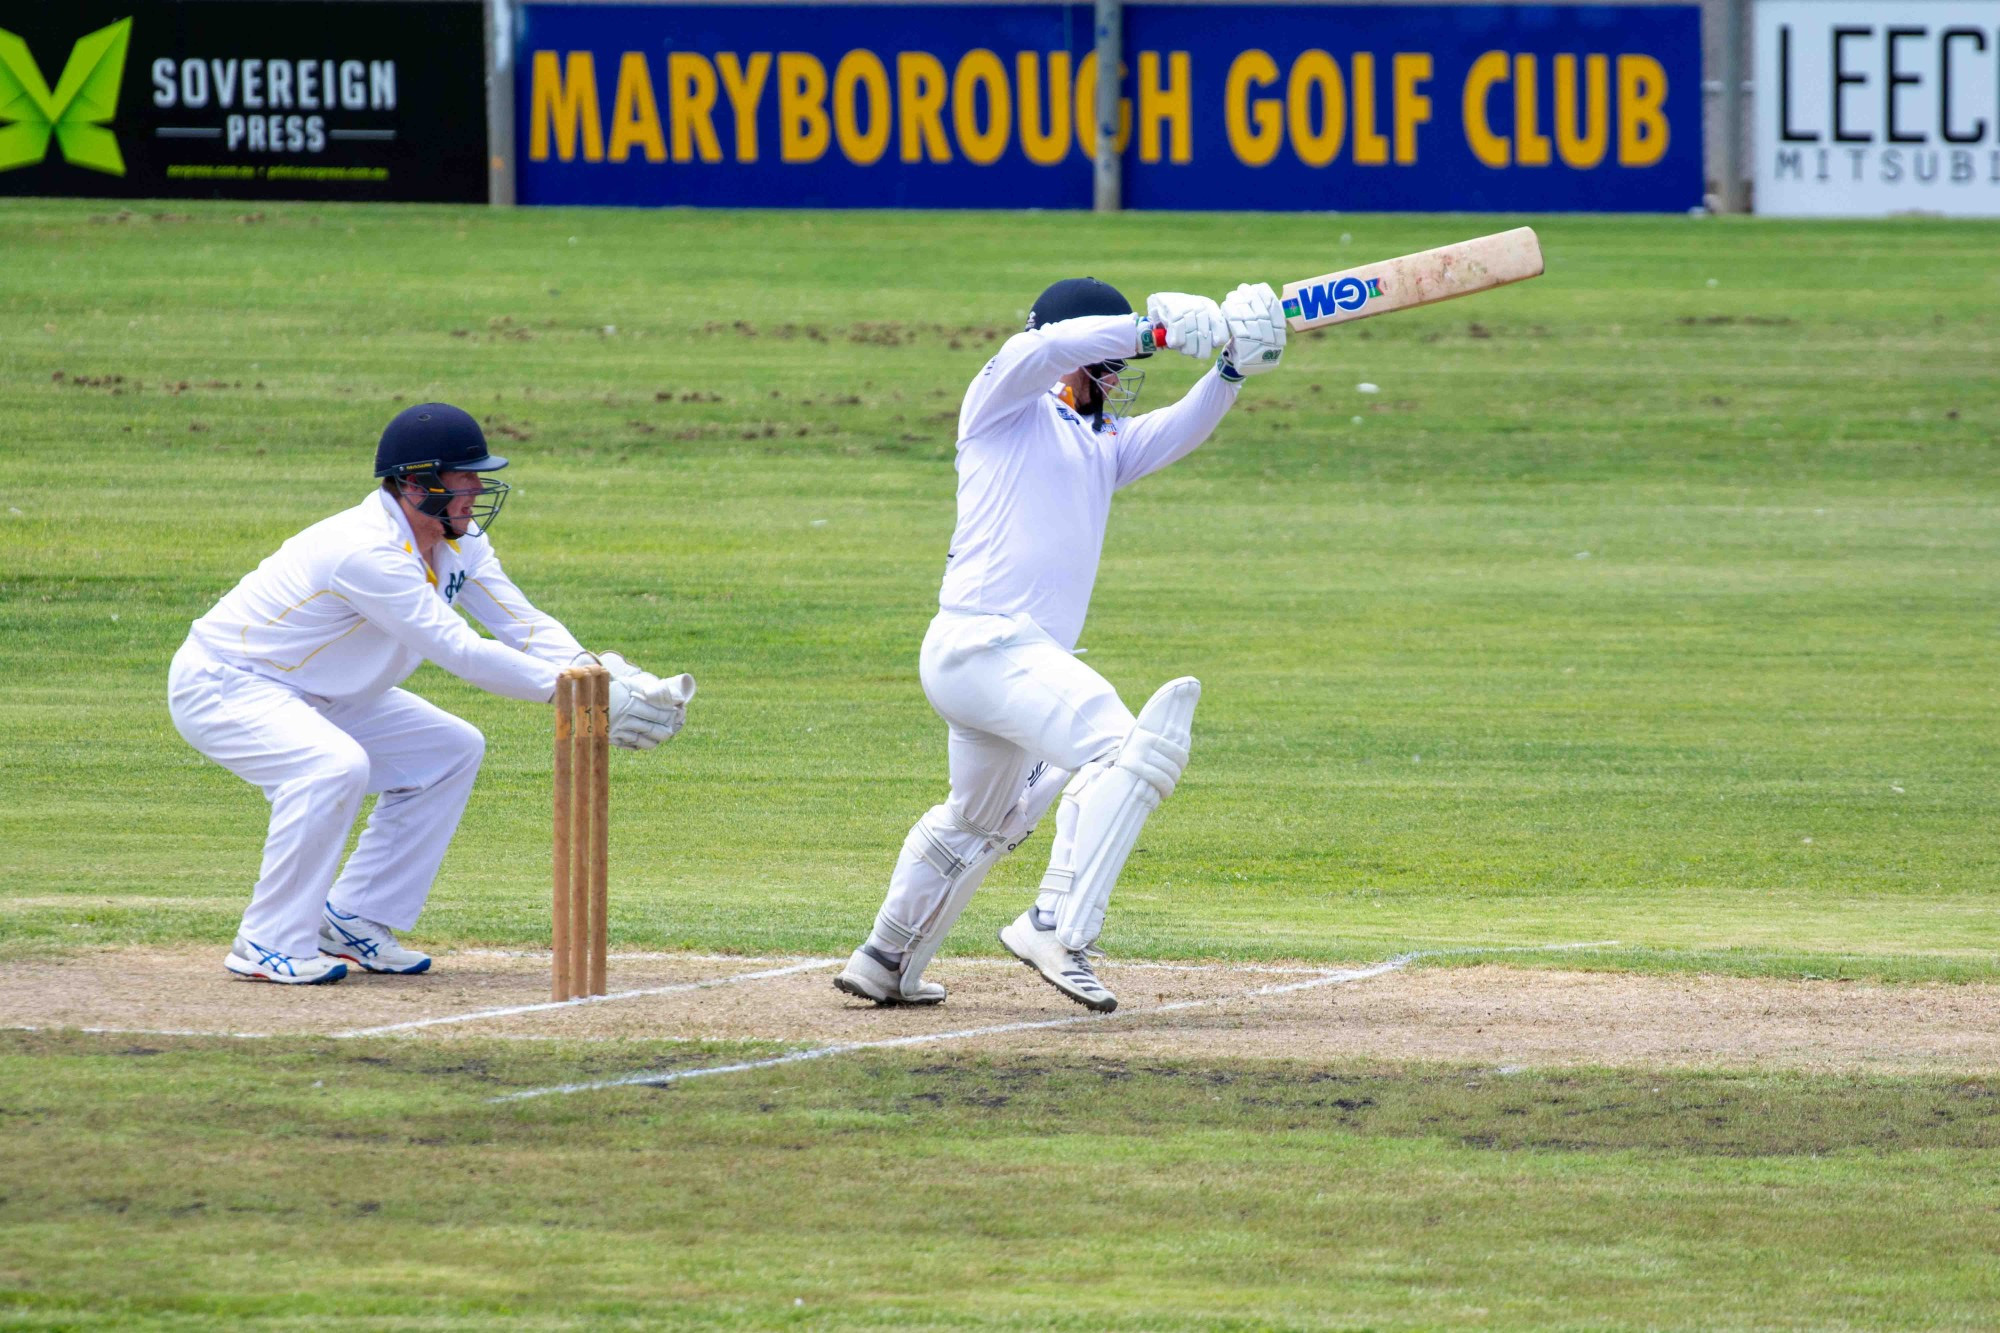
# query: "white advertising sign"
[1869,107]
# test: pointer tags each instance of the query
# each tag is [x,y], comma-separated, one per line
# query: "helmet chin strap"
[437,506]
[1095,410]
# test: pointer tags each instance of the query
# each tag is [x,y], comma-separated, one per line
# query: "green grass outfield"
[1653,601]
[188,1184]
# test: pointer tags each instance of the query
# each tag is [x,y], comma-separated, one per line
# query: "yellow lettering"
[1044,150]
[981,68]
[1531,146]
[1256,128]
[803,128]
[562,103]
[858,70]
[1495,150]
[745,86]
[635,116]
[1583,148]
[1642,129]
[691,107]
[1371,149]
[1315,69]
[920,91]
[1086,108]
[1412,107]
[1169,105]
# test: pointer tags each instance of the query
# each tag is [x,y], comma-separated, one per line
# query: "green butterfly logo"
[84,100]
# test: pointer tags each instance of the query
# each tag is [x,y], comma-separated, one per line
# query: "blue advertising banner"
[1282,107]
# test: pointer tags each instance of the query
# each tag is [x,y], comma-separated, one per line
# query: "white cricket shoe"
[868,977]
[256,963]
[1068,970]
[369,945]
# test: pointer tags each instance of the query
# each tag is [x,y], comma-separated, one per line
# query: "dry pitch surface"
[1485,1014]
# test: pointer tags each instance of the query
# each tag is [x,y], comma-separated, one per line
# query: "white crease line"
[931,1038]
[1516,948]
[510,1010]
[663,1079]
[640,956]
[1274,969]
[1123,965]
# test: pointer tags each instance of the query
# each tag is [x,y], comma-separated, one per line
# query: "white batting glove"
[1256,330]
[645,709]
[1195,326]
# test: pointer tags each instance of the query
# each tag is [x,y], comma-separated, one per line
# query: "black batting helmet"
[1073,298]
[424,442]
[434,437]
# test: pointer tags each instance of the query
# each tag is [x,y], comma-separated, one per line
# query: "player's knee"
[1019,823]
[339,773]
[467,743]
[944,840]
[1156,760]
[1156,750]
[977,825]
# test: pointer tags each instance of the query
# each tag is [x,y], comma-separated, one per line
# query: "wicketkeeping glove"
[1256,331]
[645,710]
[1194,324]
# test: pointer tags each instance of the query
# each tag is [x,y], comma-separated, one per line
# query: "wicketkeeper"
[290,683]
[1042,445]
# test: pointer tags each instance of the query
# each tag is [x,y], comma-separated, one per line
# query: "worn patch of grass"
[163,1181]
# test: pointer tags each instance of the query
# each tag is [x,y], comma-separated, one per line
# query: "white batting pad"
[1111,807]
[944,862]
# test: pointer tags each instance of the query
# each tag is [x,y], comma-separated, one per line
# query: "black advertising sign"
[244,99]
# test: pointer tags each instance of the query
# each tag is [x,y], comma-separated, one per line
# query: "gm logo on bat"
[1323,298]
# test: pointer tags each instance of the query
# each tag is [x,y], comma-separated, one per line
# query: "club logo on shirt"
[452,585]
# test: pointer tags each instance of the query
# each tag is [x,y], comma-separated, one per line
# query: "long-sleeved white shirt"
[348,609]
[1035,481]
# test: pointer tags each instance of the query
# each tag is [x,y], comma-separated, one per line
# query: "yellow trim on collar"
[430,575]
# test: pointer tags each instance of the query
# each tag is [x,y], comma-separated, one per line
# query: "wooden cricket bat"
[1402,284]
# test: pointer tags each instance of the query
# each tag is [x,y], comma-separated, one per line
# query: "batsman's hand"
[1256,330]
[1194,324]
[645,709]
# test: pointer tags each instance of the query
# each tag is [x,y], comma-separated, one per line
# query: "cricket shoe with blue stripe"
[256,963]
[368,945]
[1068,970]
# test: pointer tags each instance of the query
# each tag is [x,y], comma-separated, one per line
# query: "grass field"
[1651,602]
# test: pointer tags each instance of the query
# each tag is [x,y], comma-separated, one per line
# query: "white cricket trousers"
[1013,699]
[314,759]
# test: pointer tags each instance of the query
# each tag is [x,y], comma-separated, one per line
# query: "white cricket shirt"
[348,609]
[1035,481]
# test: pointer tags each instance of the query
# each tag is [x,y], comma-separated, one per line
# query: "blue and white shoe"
[256,963]
[1068,970]
[369,945]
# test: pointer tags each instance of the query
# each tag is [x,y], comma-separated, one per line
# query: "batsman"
[1044,440]
[291,683]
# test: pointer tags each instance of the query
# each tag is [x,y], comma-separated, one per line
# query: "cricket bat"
[1403,284]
